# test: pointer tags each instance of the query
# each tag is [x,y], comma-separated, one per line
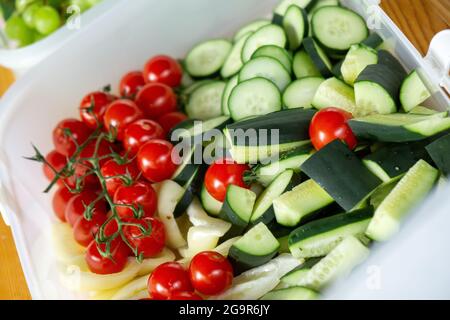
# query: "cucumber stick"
[293,293]
[409,191]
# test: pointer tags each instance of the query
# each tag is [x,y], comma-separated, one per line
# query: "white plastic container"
[120,40]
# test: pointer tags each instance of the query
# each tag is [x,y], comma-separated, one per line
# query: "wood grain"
[420,20]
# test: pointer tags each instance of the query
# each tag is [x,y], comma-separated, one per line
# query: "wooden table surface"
[420,20]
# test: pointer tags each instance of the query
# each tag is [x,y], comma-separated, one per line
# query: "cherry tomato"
[147,245]
[156,99]
[57,161]
[221,174]
[330,124]
[155,160]
[120,114]
[66,144]
[60,200]
[139,132]
[131,83]
[185,296]
[167,279]
[211,273]
[163,69]
[84,230]
[141,194]
[119,253]
[171,120]
[93,108]
[111,171]
[76,206]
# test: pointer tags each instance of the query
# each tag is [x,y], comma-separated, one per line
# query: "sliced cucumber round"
[234,63]
[210,204]
[267,35]
[285,4]
[319,58]
[206,58]
[303,66]
[296,25]
[233,82]
[206,101]
[250,28]
[300,93]
[277,53]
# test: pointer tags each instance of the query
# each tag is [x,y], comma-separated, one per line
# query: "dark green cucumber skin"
[242,261]
[328,224]
[311,6]
[308,44]
[342,174]
[397,159]
[293,125]
[386,58]
[306,21]
[277,19]
[439,151]
[337,69]
[187,124]
[374,40]
[191,190]
[387,78]
[378,132]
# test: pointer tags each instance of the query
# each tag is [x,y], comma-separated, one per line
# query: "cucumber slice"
[267,68]
[323,3]
[303,66]
[238,206]
[256,247]
[373,40]
[334,92]
[357,59]
[337,28]
[326,167]
[195,130]
[191,188]
[293,293]
[296,25]
[318,56]
[206,58]
[305,199]
[318,238]
[254,97]
[231,84]
[209,203]
[300,93]
[410,191]
[267,35]
[250,28]
[284,5]
[399,127]
[187,168]
[234,63]
[277,53]
[299,274]
[439,151]
[337,264]
[206,102]
[413,91]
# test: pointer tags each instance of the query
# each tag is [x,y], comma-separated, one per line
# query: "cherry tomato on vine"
[119,115]
[168,279]
[67,134]
[171,120]
[330,124]
[155,160]
[93,107]
[76,206]
[156,99]
[111,171]
[146,245]
[140,194]
[211,273]
[185,296]
[163,69]
[221,174]
[131,83]
[57,161]
[60,200]
[140,132]
[84,230]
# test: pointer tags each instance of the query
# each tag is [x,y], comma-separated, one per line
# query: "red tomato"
[93,107]
[223,173]
[76,206]
[185,296]
[163,69]
[120,114]
[170,120]
[111,171]
[211,273]
[66,143]
[156,99]
[141,194]
[119,253]
[85,230]
[57,161]
[155,160]
[330,124]
[60,200]
[167,279]
[147,245]
[140,132]
[131,83]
